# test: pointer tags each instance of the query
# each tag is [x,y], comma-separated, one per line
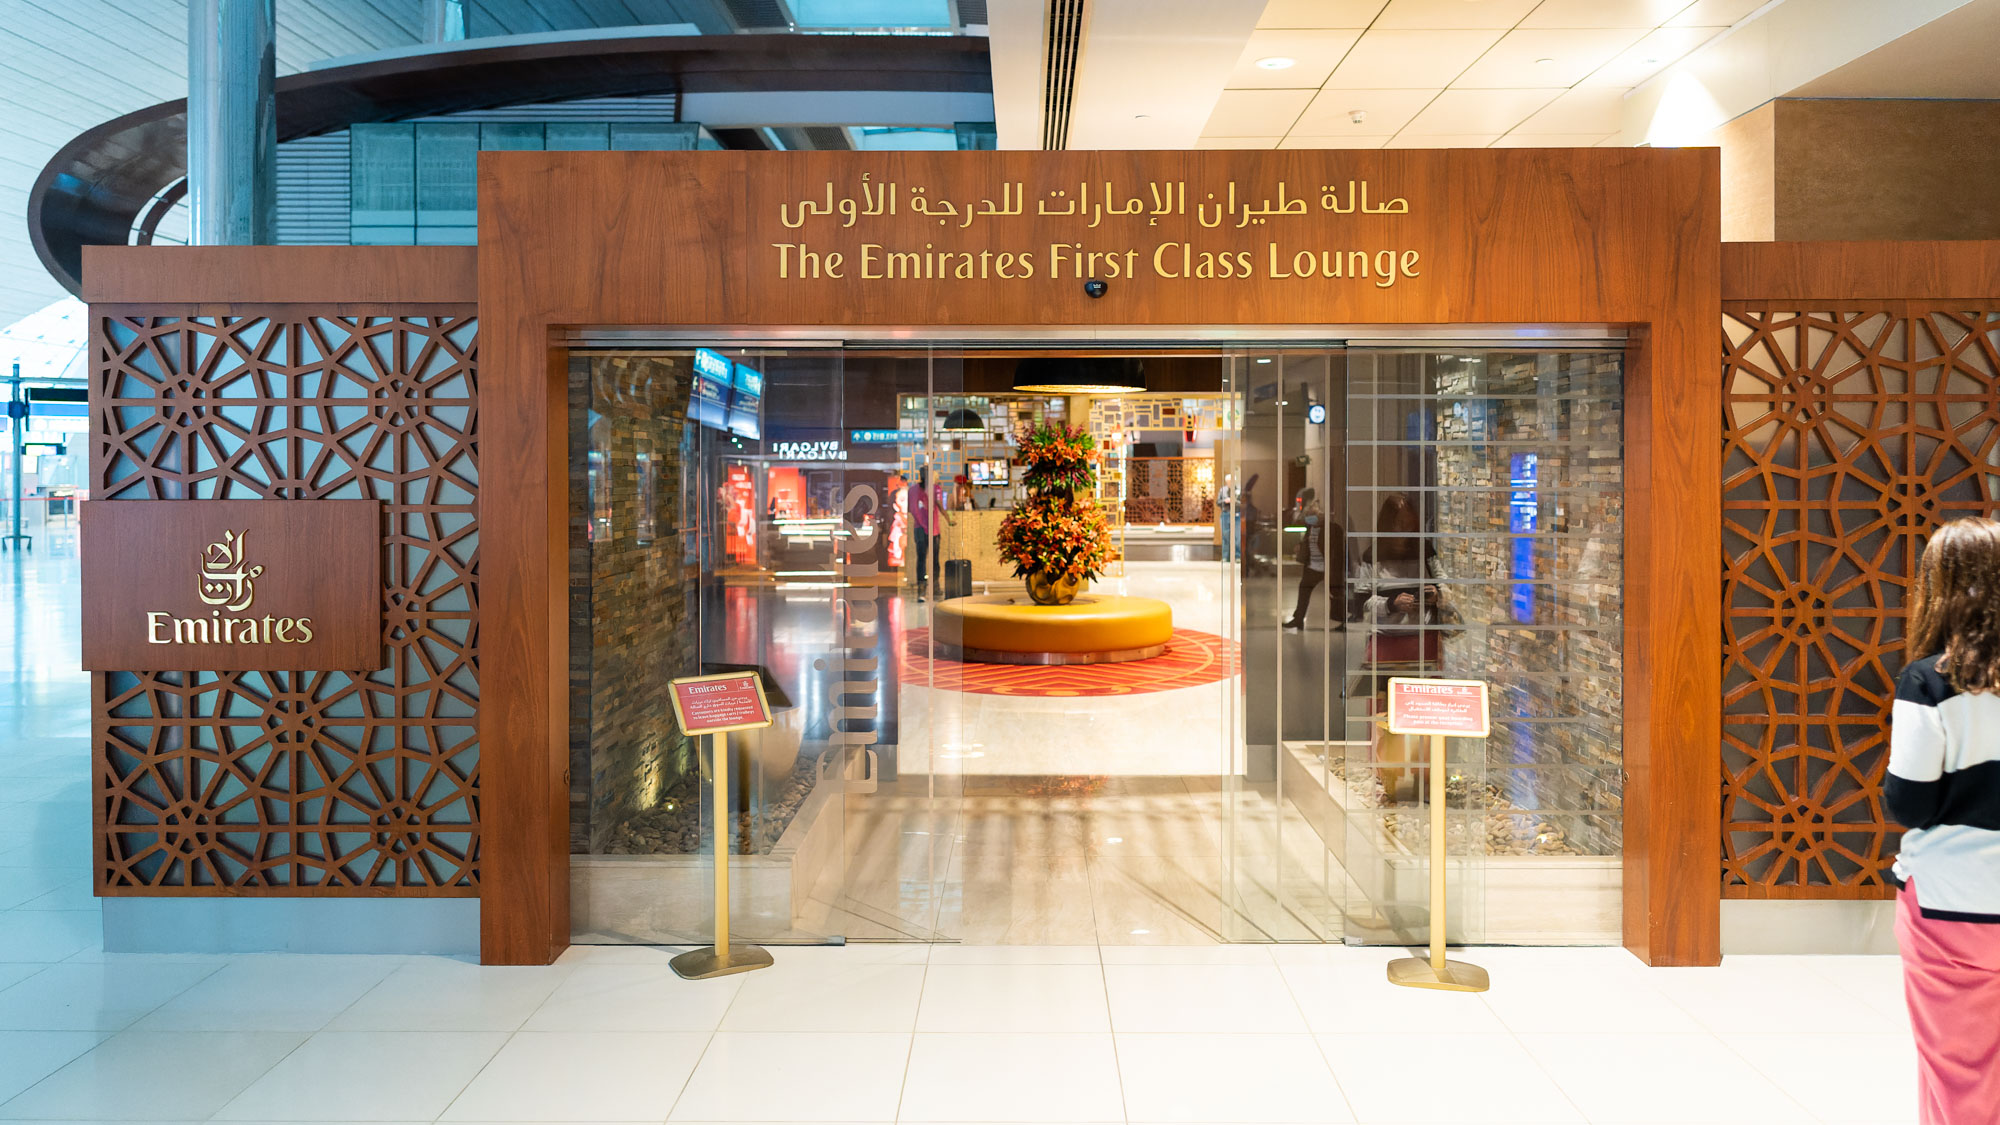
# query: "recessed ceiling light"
[1539,62]
[1142,116]
[1275,62]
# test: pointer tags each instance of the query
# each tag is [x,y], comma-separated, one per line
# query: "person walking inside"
[926,509]
[1944,787]
[1312,558]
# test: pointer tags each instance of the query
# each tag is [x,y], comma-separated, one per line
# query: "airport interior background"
[741,506]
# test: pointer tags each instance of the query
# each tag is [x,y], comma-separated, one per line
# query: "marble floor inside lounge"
[1120,819]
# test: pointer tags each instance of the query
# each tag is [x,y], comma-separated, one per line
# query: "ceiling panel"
[1551,140]
[1412,140]
[1331,112]
[1603,13]
[1314,55]
[1585,109]
[1333,142]
[1714,13]
[1651,55]
[1255,113]
[1518,58]
[1424,15]
[1320,13]
[1236,142]
[1479,111]
[1385,60]
[1168,60]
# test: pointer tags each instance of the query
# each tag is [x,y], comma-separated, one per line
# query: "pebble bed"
[674,826]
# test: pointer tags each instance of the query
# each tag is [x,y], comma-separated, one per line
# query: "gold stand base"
[701,964]
[1417,972]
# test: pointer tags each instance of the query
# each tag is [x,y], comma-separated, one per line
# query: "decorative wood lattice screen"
[299,782]
[1848,437]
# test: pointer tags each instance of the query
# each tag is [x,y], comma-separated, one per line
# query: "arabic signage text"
[881,229]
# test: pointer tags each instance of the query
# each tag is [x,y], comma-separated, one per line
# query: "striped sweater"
[1944,787]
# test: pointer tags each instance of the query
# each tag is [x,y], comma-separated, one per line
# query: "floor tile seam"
[477,1074]
[1539,1065]
[132,1023]
[1111,1025]
[241,959]
[910,1053]
[1767,1076]
[103,1037]
[1325,1060]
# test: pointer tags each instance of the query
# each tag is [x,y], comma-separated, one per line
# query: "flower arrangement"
[1059,459]
[1066,538]
[1058,533]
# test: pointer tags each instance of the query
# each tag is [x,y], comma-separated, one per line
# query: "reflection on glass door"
[1282,828]
[1485,490]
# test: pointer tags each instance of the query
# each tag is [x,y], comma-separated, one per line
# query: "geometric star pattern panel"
[299,783]
[1848,438]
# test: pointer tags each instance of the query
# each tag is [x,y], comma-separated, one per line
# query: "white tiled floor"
[873,1033]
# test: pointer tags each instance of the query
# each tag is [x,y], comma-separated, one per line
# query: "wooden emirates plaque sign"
[722,702]
[1453,708]
[231,585]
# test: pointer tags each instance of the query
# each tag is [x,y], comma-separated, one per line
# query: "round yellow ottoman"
[1010,629]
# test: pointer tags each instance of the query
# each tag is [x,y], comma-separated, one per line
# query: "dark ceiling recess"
[1064,43]
[826,137]
[758,15]
[971,12]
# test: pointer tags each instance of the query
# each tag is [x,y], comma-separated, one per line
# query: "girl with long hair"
[1944,787]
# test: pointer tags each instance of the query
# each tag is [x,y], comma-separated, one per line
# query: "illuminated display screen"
[1523,515]
[709,404]
[746,403]
[992,471]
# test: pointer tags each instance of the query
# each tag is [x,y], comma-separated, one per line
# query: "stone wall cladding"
[632,598]
[1555,758]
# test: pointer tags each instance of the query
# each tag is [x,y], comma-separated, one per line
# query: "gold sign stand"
[722,958]
[1436,971]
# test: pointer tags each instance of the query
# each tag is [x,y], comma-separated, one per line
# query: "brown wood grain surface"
[297,586]
[1960,274]
[319,275]
[1592,236]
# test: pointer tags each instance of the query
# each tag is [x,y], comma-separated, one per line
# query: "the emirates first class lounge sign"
[231,585]
[897,228]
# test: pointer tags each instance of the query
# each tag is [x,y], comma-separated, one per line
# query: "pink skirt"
[1951,978]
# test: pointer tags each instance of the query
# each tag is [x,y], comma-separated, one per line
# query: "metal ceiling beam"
[97,185]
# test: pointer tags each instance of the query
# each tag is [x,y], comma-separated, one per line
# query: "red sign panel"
[722,702]
[1447,707]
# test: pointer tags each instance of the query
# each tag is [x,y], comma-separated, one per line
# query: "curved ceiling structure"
[98,184]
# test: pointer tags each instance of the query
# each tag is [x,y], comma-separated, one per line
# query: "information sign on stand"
[715,705]
[1439,709]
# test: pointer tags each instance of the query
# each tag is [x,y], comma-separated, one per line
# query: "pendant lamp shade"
[1073,376]
[963,421]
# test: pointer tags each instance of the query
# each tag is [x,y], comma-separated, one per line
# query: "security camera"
[1094,288]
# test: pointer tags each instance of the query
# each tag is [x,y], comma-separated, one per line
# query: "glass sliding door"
[1282,829]
[706,535]
[901,792]
[1485,489]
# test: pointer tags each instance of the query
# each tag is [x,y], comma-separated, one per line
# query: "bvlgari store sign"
[231,585]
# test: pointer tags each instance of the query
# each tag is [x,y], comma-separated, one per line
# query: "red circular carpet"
[1193,658]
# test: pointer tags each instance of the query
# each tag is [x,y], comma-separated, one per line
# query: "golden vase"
[1046,589]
